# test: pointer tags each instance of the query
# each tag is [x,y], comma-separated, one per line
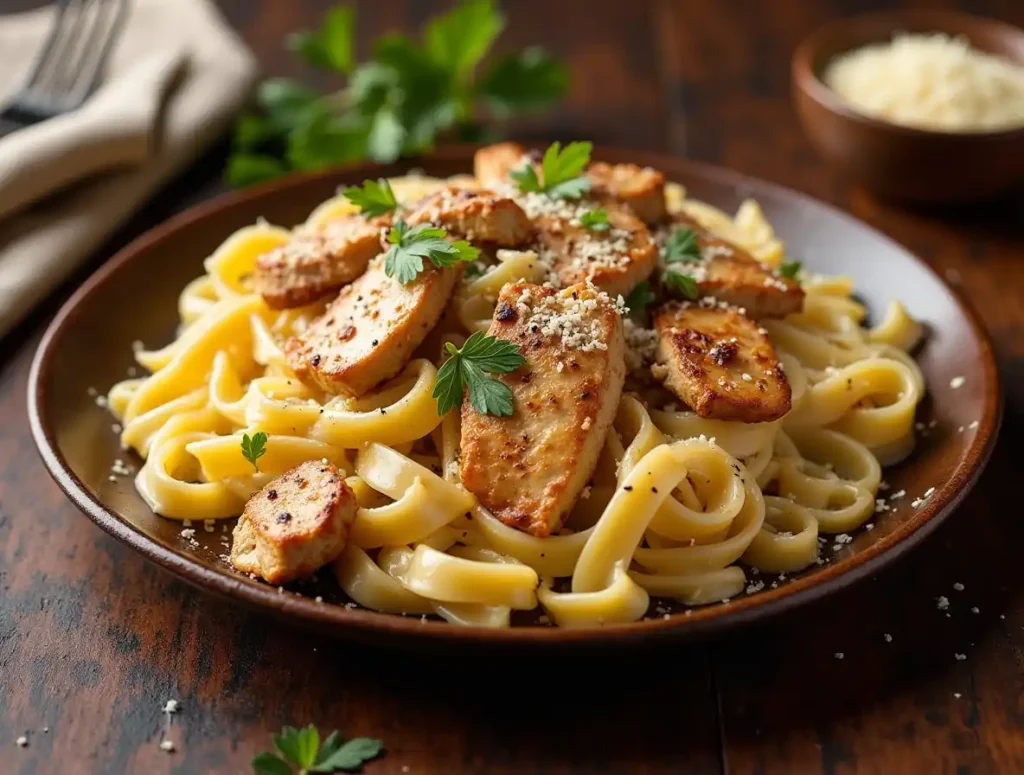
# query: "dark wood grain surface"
[93,639]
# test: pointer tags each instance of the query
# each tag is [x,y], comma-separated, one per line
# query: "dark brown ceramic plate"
[133,296]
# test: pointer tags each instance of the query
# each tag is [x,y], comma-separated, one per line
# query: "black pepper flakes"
[271,495]
[505,312]
[628,488]
[375,342]
[654,490]
[283,517]
[314,360]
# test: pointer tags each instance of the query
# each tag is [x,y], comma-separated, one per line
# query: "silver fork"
[70,63]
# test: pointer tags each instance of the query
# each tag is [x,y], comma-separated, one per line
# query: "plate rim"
[361,623]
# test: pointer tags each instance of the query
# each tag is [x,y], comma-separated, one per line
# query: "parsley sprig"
[790,269]
[468,368]
[596,220]
[640,298]
[560,172]
[409,94]
[682,246]
[254,448]
[681,283]
[373,198]
[302,748]
[409,246]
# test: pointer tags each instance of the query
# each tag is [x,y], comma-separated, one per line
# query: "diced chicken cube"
[719,363]
[641,189]
[370,331]
[478,216]
[529,469]
[295,525]
[615,259]
[316,262]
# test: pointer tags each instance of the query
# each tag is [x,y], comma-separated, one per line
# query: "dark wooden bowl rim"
[370,625]
[807,75]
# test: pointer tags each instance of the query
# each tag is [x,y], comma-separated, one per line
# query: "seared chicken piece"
[641,189]
[495,162]
[369,332]
[730,274]
[719,363]
[318,261]
[528,469]
[478,216]
[295,525]
[615,260]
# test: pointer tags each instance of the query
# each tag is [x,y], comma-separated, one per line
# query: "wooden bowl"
[134,297]
[895,161]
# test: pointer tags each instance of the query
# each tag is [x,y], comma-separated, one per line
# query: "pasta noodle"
[680,506]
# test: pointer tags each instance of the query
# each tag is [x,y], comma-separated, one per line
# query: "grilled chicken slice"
[369,332]
[719,363]
[730,274]
[528,469]
[478,216]
[615,260]
[494,162]
[641,189]
[296,524]
[318,261]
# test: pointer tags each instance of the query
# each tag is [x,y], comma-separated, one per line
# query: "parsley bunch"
[399,102]
[302,748]
[254,448]
[467,369]
[681,247]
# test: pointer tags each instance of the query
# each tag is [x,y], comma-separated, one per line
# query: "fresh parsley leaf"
[254,448]
[596,220]
[350,756]
[467,369]
[268,764]
[641,297]
[562,168]
[524,81]
[333,45]
[322,140]
[681,283]
[286,102]
[302,748]
[459,39]
[373,198]
[409,246]
[526,178]
[790,269]
[682,247]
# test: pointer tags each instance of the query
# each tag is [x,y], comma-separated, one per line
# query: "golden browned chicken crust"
[719,363]
[317,261]
[495,162]
[641,189]
[369,332]
[615,260]
[296,524]
[730,274]
[529,469]
[478,216]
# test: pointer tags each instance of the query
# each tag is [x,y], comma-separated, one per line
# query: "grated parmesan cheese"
[931,81]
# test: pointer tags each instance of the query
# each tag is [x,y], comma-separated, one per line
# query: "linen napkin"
[175,80]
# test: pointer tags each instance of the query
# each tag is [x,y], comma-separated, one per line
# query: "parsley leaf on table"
[409,246]
[373,198]
[302,748]
[468,369]
[254,448]
[682,247]
[561,170]
[596,220]
[408,95]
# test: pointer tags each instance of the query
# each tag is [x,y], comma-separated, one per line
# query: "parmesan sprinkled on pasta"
[933,82]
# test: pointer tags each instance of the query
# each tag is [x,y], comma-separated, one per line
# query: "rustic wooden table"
[94,639]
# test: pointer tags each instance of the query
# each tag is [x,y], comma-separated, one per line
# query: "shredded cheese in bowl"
[931,81]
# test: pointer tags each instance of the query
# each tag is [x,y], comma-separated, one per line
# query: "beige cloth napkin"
[173,84]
